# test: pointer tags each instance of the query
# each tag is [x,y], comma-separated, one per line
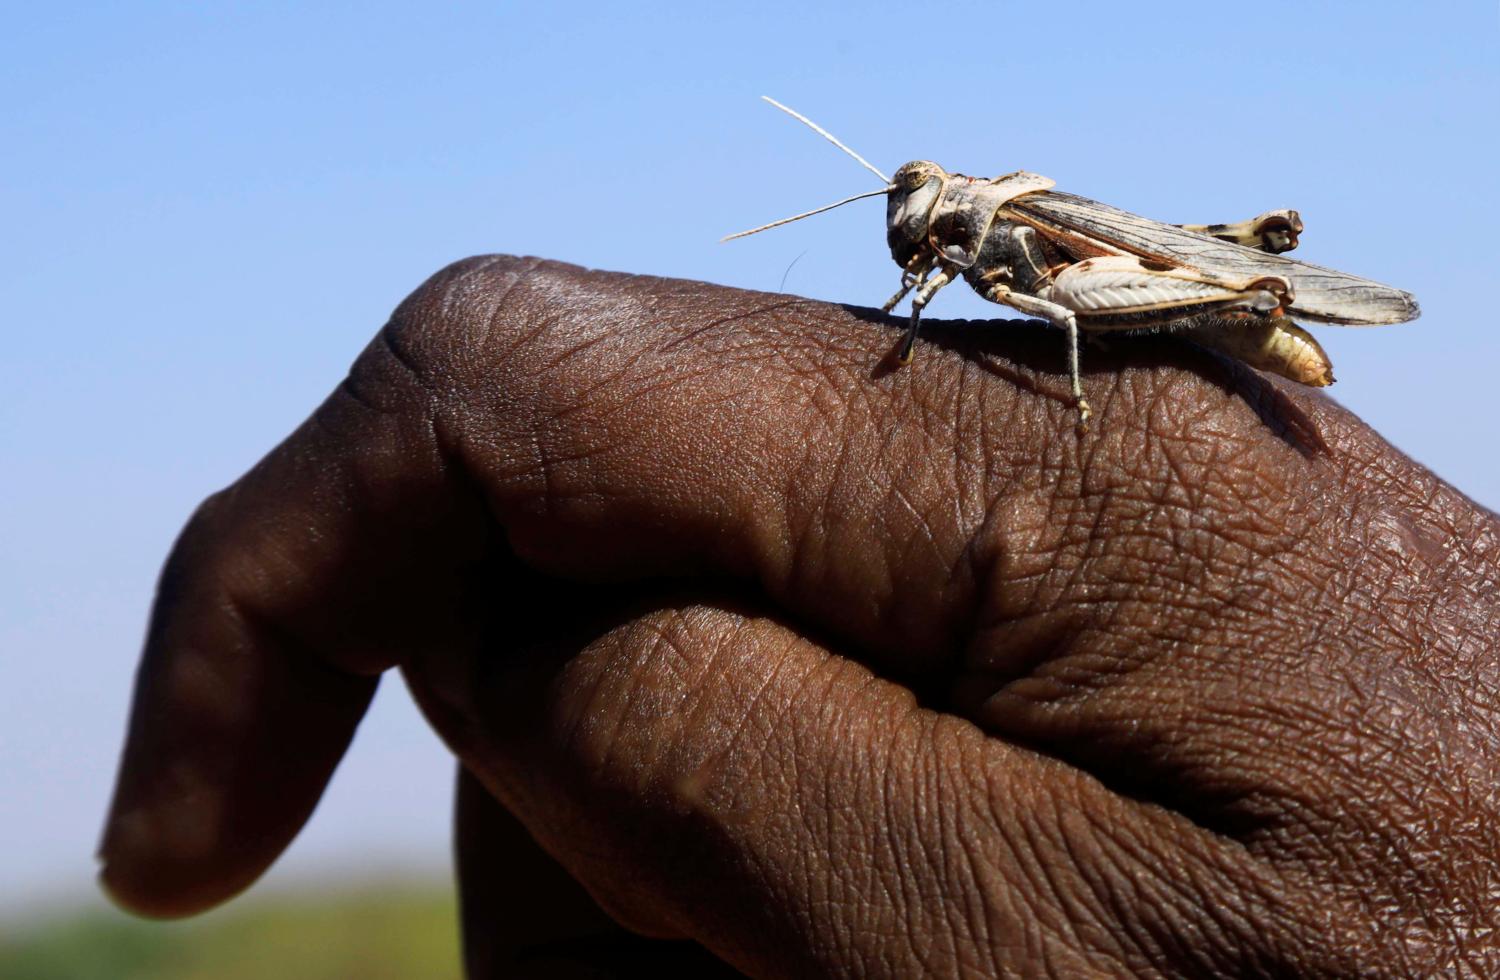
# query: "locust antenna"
[829,137]
[806,214]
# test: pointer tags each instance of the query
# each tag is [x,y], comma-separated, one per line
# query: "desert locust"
[1086,266]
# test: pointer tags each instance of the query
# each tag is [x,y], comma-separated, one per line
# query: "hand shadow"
[1023,351]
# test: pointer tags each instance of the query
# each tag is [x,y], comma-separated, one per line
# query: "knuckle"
[486,347]
[439,332]
[505,347]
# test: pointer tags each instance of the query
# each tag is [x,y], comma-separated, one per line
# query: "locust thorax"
[915,190]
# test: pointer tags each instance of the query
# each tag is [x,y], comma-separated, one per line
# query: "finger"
[714,775]
[283,599]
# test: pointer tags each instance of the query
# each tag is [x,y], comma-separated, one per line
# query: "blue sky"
[206,211]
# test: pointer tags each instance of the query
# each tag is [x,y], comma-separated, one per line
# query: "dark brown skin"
[839,670]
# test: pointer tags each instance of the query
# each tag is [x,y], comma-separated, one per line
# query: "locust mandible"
[1086,266]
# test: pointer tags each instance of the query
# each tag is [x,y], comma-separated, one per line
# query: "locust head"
[914,193]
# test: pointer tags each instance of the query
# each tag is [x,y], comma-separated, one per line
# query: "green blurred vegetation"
[377,932]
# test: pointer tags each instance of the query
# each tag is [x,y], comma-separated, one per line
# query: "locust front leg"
[1275,231]
[928,289]
[912,277]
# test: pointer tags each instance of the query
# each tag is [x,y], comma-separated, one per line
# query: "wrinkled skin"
[841,670]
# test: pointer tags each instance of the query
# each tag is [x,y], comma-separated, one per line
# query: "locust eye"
[915,174]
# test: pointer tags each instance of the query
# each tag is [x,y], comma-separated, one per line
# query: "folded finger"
[709,773]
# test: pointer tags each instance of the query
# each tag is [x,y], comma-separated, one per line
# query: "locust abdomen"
[1274,344]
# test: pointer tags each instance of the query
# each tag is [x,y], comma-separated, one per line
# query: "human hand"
[1211,689]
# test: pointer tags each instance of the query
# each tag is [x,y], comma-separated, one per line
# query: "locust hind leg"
[1275,231]
[1124,293]
[924,295]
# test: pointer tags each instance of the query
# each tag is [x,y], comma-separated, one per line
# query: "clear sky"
[207,209]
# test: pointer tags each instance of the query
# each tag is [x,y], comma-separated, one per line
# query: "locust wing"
[1087,227]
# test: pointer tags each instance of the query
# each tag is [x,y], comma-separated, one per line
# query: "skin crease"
[842,670]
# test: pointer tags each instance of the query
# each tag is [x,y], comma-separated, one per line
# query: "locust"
[1088,267]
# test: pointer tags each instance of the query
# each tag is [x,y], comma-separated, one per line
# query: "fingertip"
[152,863]
[229,749]
[135,894]
[165,853]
